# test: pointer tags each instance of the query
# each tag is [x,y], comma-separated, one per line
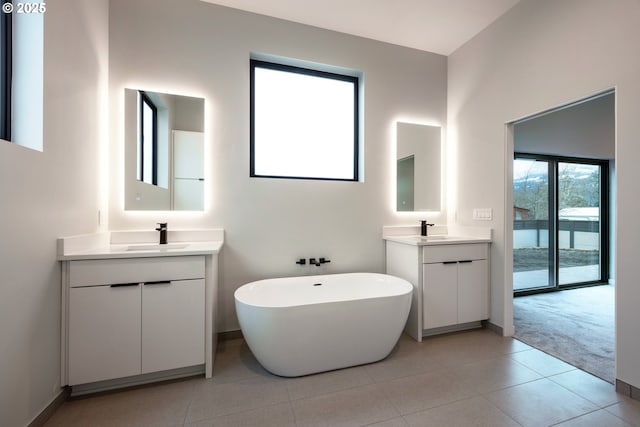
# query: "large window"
[304,123]
[147,140]
[22,76]
[6,56]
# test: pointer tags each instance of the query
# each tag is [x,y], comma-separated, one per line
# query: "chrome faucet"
[162,228]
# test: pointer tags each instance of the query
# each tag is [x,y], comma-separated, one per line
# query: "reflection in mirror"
[164,151]
[418,157]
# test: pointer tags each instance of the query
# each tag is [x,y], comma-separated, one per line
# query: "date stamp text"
[24,7]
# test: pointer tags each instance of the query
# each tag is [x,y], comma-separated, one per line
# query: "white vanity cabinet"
[455,287]
[104,332]
[450,280]
[134,316]
[172,325]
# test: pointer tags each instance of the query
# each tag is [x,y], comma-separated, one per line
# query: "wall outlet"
[484,214]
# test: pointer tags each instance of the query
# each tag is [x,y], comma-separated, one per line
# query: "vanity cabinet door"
[104,332]
[440,294]
[172,324]
[473,291]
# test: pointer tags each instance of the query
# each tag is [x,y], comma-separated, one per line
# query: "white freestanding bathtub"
[302,325]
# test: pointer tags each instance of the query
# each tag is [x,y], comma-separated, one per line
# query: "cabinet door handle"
[159,282]
[450,262]
[465,261]
[122,285]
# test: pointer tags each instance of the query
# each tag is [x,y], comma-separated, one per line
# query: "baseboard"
[230,335]
[51,408]
[496,329]
[449,329]
[627,390]
[136,380]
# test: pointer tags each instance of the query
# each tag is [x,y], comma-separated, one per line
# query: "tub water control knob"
[301,261]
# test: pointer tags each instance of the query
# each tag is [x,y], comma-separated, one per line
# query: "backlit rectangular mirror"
[418,161]
[164,151]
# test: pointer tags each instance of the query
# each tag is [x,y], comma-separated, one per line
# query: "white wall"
[198,49]
[544,54]
[583,130]
[46,195]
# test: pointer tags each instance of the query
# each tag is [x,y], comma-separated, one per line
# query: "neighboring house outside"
[520,213]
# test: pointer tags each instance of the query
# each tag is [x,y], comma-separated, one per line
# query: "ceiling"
[439,26]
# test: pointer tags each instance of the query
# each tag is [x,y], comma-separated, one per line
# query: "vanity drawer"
[462,252]
[134,270]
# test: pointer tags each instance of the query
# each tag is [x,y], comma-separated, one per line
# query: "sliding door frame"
[553,281]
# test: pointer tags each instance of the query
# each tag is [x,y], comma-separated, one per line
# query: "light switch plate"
[484,214]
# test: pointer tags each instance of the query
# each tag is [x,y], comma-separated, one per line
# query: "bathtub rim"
[399,281]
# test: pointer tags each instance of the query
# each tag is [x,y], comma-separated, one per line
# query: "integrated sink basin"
[157,247]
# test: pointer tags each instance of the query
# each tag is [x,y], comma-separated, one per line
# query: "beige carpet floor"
[575,325]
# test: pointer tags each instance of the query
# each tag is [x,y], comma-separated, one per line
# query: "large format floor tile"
[420,392]
[212,399]
[468,378]
[279,415]
[541,362]
[540,403]
[599,418]
[495,374]
[588,386]
[476,411]
[354,407]
[628,410]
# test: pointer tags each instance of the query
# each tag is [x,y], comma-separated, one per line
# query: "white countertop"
[436,240]
[137,244]
[144,250]
[437,235]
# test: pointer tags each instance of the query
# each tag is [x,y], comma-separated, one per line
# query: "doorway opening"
[563,192]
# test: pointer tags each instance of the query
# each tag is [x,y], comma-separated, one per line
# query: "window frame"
[354,79]
[6,70]
[146,100]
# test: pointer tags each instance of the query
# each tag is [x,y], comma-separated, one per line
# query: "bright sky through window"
[304,125]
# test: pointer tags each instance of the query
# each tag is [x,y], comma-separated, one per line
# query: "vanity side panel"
[211,312]
[404,261]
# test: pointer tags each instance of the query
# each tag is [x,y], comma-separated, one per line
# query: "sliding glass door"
[560,222]
[579,213]
[532,254]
